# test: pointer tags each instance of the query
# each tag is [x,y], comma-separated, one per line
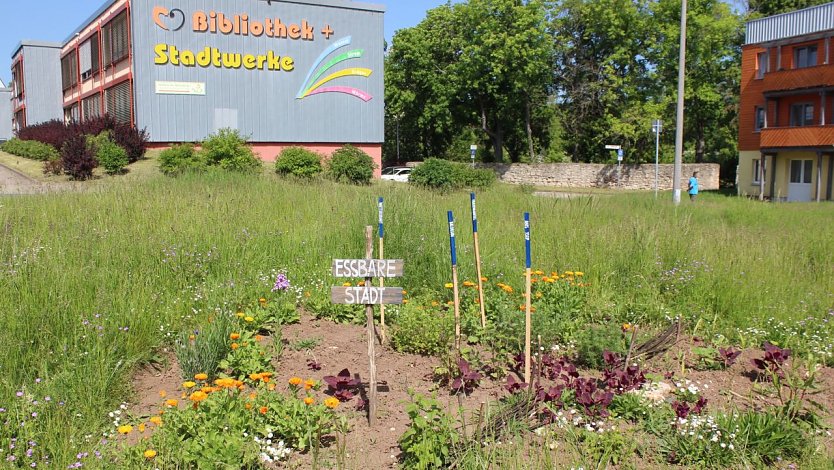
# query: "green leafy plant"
[228,149]
[351,165]
[422,330]
[109,154]
[298,162]
[202,350]
[629,406]
[594,341]
[181,158]
[305,344]
[440,174]
[31,149]
[431,436]
[249,353]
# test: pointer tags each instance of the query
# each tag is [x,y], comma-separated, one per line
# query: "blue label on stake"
[474,214]
[528,257]
[452,238]
[381,231]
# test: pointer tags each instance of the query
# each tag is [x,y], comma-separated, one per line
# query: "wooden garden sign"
[368,295]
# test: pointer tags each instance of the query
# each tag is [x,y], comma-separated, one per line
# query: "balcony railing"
[797,79]
[806,136]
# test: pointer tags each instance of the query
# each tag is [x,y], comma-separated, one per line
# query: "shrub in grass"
[78,158]
[110,155]
[55,133]
[421,330]
[298,161]
[594,341]
[181,158]
[31,149]
[200,351]
[431,437]
[53,166]
[440,174]
[351,165]
[228,150]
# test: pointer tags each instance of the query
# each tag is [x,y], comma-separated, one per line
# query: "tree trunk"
[529,130]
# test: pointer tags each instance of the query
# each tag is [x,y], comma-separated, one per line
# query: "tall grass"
[92,283]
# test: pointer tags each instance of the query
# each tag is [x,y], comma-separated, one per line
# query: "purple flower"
[19,394]
[34,414]
[38,380]
[281,283]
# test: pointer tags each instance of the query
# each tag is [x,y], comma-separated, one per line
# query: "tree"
[760,8]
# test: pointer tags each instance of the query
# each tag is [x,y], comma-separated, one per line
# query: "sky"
[54,20]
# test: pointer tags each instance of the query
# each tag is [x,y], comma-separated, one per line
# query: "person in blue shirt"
[693,186]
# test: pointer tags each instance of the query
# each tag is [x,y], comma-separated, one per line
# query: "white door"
[799,187]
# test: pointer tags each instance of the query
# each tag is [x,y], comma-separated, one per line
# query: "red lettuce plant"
[774,359]
[728,356]
[467,379]
[342,386]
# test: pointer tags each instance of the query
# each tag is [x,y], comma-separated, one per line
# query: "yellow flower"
[296,381]
[188,384]
[162,393]
[262,301]
[240,314]
[234,336]
[507,289]
[484,279]
[404,292]
[263,410]
[171,402]
[271,387]
[198,396]
[538,272]
[347,284]
[405,301]
[361,283]
[568,273]
[435,303]
[578,274]
[149,454]
[627,327]
[226,383]
[156,420]
[309,383]
[331,403]
[192,337]
[469,284]
[449,285]
[125,429]
[235,346]
[249,319]
[141,427]
[201,376]
[538,295]
[309,401]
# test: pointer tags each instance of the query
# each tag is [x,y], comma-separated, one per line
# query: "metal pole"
[676,180]
[656,155]
[398,139]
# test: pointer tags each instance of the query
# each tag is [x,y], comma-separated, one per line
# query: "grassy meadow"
[93,283]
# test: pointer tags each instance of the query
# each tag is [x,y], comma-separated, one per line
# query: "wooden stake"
[528,307]
[478,260]
[455,291]
[369,314]
[630,346]
[382,279]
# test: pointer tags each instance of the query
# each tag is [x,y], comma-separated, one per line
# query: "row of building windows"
[801,171]
[17,80]
[117,102]
[801,114]
[805,56]
[86,60]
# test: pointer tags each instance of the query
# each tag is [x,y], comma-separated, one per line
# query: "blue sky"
[54,20]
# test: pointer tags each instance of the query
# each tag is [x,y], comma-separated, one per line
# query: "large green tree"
[759,8]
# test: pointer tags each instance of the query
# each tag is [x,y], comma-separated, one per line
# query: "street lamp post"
[676,181]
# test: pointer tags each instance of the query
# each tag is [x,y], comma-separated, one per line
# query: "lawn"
[94,283]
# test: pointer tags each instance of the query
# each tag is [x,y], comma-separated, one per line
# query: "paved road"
[12,182]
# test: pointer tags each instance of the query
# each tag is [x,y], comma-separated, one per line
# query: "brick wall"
[582,175]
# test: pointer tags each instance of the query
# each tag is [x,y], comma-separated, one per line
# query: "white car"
[396,173]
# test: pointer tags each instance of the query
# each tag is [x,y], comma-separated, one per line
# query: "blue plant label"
[474,214]
[380,207]
[528,257]
[452,239]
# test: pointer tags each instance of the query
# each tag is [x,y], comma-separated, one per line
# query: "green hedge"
[31,149]
[442,174]
[351,165]
[299,162]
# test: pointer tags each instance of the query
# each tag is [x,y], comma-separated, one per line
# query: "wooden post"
[381,279]
[369,313]
[527,315]
[630,346]
[455,291]
[478,261]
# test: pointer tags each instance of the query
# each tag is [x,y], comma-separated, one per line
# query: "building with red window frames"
[786,115]
[283,73]
[36,85]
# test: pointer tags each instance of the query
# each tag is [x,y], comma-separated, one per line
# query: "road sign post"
[472,149]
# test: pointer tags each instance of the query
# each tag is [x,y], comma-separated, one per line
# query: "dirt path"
[12,182]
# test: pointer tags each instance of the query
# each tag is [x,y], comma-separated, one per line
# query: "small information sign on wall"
[180,88]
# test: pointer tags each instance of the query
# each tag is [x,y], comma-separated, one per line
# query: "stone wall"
[590,175]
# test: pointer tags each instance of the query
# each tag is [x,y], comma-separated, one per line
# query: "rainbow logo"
[313,83]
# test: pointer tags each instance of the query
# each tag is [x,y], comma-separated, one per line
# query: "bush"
[53,166]
[181,158]
[298,161]
[78,158]
[30,149]
[228,150]
[111,156]
[352,165]
[440,174]
[56,133]
[421,330]
[594,341]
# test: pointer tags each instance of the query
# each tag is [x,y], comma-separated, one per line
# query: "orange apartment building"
[786,115]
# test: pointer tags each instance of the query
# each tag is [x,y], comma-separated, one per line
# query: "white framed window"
[762,64]
[757,171]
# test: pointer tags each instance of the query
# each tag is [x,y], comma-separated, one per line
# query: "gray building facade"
[36,83]
[5,112]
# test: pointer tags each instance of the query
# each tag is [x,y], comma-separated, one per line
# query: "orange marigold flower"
[263,410]
[309,383]
[405,301]
[331,403]
[188,384]
[125,429]
[240,314]
[235,346]
[141,427]
[248,406]
[449,285]
[271,387]
[346,284]
[149,454]
[198,396]
[259,338]
[469,284]
[255,377]
[361,283]
[296,381]
[484,279]
[192,337]
[171,402]
[262,300]
[435,303]
[163,393]
[249,319]
[234,336]
[201,376]
[309,401]
[156,420]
